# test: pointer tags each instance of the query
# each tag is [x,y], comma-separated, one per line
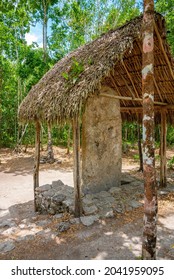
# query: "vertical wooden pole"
[50,153]
[76,155]
[36,162]
[163,170]
[150,187]
[69,140]
[140,147]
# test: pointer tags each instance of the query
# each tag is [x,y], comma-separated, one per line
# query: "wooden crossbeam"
[131,99]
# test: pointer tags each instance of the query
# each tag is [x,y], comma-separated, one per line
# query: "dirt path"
[26,235]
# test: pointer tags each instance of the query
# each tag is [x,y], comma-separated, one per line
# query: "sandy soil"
[115,238]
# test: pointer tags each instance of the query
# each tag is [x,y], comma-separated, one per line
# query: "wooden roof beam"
[157,88]
[133,96]
[116,87]
[163,50]
[130,78]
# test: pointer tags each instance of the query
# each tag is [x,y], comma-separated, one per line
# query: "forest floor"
[25,234]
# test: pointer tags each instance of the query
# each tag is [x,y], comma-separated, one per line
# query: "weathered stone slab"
[58,216]
[115,190]
[87,201]
[134,204]
[163,192]
[68,203]
[109,214]
[58,199]
[89,210]
[75,221]
[7,223]
[103,194]
[119,207]
[101,143]
[63,226]
[43,223]
[49,193]
[6,246]
[43,188]
[10,231]
[57,184]
[89,220]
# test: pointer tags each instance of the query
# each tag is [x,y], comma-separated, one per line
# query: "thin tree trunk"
[163,170]
[125,134]
[45,20]
[76,155]
[18,148]
[50,154]
[41,140]
[69,140]
[36,163]
[150,194]
[140,147]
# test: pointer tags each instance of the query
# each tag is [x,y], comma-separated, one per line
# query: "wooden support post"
[140,147]
[76,155]
[50,153]
[163,181]
[150,187]
[36,163]
[69,140]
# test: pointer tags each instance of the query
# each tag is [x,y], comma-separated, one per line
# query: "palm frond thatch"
[114,59]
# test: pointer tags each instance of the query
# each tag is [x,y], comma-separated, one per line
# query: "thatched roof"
[114,59]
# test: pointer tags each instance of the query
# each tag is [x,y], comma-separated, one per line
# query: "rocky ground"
[110,229]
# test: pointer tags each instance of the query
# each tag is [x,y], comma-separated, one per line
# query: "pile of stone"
[59,198]
[55,198]
[46,159]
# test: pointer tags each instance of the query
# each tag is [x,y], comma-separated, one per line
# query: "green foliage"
[60,135]
[129,132]
[166,7]
[171,163]
[136,157]
[170,135]
[74,72]
[120,12]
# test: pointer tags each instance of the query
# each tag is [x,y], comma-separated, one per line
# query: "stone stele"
[101,143]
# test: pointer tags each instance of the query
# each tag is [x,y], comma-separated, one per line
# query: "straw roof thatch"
[114,59]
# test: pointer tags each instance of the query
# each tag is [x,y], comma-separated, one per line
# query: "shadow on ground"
[33,236]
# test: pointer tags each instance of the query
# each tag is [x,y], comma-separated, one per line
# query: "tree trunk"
[76,155]
[126,134]
[50,154]
[19,143]
[163,181]
[150,187]
[36,163]
[140,147]
[45,20]
[69,140]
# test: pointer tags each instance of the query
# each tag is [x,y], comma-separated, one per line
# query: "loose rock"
[90,210]
[89,220]
[6,246]
[64,226]
[134,204]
